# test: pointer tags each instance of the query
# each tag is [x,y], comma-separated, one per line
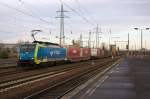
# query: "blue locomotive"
[40,52]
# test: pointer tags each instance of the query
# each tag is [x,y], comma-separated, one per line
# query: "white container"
[94,52]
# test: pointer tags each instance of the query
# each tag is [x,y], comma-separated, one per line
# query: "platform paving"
[129,80]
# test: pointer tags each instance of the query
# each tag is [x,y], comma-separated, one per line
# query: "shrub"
[4,54]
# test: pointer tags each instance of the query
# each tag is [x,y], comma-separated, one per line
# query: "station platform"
[128,80]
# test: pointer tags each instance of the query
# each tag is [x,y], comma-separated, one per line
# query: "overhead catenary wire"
[25,13]
[83,10]
[10,32]
[12,27]
[22,26]
[79,14]
[27,6]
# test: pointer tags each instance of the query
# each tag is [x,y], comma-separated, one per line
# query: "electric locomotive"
[40,52]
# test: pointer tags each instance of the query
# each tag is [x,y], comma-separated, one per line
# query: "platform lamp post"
[142,35]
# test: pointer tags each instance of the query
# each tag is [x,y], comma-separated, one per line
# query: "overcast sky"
[119,15]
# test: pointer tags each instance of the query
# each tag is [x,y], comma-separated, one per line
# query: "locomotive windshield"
[27,47]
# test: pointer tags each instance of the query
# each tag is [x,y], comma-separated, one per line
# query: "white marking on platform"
[80,88]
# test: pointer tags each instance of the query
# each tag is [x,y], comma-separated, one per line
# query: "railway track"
[60,89]
[33,72]
[12,84]
[7,66]
[10,71]
[7,75]
[8,63]
[20,82]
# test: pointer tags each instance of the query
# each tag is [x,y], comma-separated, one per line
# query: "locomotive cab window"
[27,47]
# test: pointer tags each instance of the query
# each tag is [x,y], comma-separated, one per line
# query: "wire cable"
[26,6]
[25,13]
[75,11]
[82,9]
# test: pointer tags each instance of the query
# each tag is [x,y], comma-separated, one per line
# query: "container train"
[39,53]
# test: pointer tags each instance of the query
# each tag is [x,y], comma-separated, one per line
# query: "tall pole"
[50,34]
[109,37]
[96,36]
[89,43]
[145,47]
[145,44]
[61,16]
[128,42]
[99,44]
[62,41]
[81,42]
[141,39]
[141,35]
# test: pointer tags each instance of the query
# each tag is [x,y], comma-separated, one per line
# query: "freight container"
[94,53]
[107,53]
[102,53]
[74,54]
[113,50]
[86,53]
[99,53]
